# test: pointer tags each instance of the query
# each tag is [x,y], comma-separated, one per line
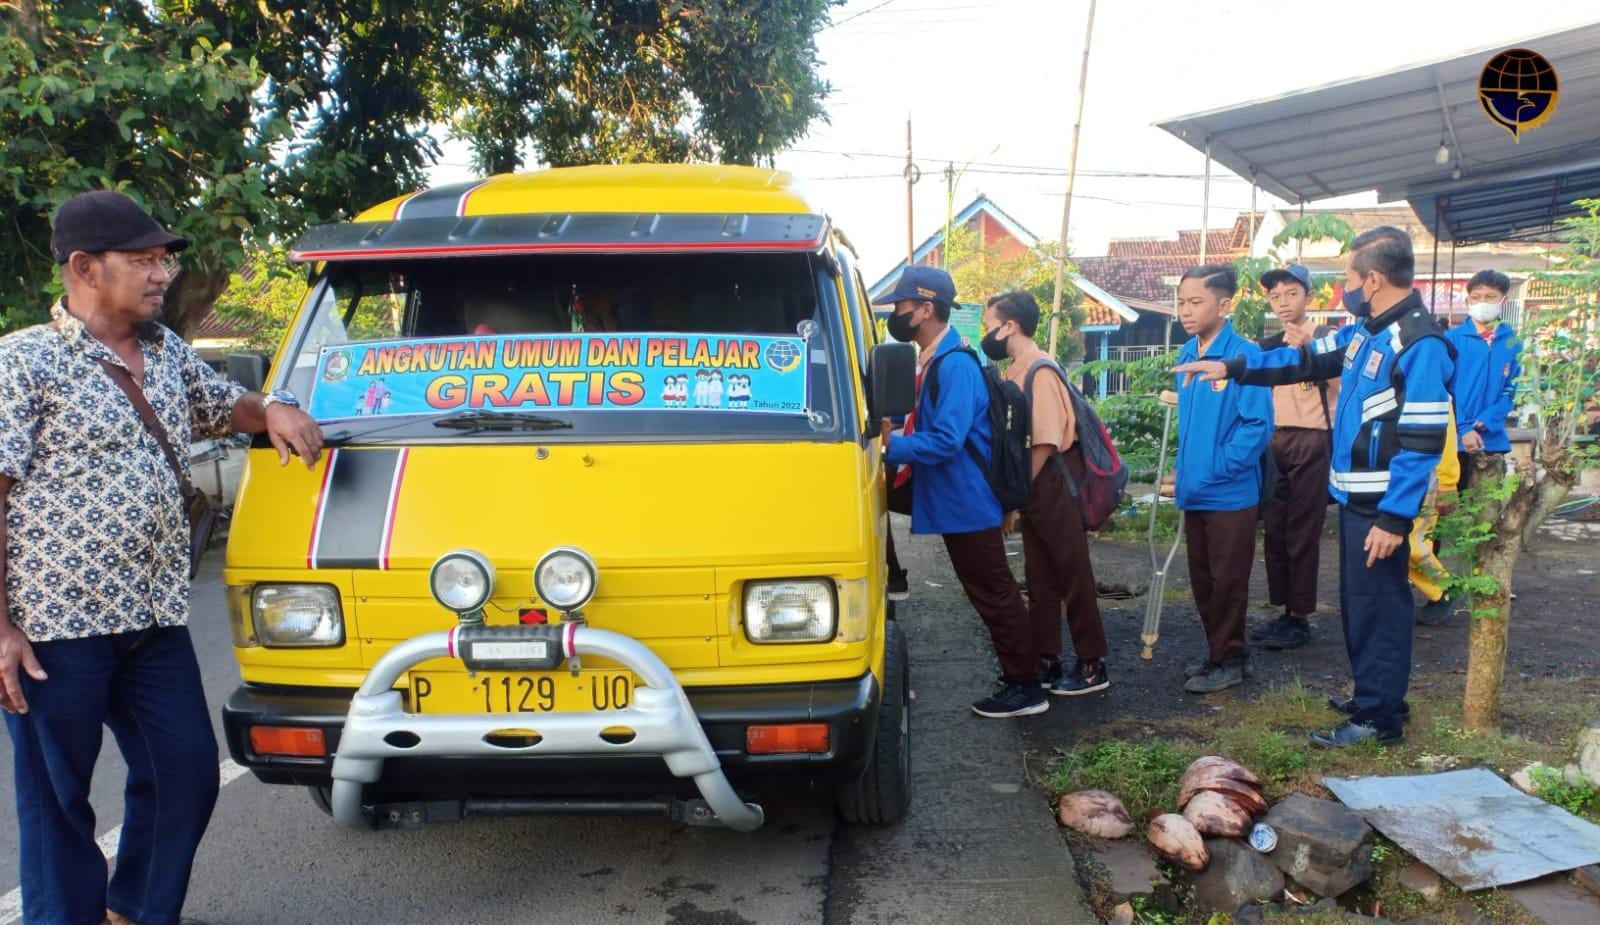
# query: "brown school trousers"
[1294,516]
[1055,561]
[979,559]
[1222,549]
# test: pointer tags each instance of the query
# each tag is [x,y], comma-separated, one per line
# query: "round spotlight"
[565,578]
[462,580]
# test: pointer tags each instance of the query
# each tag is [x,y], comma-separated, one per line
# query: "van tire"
[883,794]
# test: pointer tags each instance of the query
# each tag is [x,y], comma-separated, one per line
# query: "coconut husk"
[1213,767]
[1177,840]
[1214,813]
[1248,797]
[1094,812]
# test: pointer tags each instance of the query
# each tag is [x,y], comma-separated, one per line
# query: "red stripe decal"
[450,641]
[569,641]
[461,206]
[389,511]
[400,206]
[497,249]
[316,518]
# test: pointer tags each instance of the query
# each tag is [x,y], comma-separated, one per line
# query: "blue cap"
[921,284]
[1293,273]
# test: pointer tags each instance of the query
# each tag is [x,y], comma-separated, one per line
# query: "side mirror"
[892,370]
[248,369]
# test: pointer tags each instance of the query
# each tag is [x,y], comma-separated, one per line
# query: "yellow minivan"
[601,528]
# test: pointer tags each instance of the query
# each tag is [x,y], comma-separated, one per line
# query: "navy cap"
[1293,273]
[105,220]
[921,284]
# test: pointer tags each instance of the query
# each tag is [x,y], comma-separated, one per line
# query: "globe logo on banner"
[783,355]
[1518,90]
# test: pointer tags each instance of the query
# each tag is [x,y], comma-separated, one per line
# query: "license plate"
[520,691]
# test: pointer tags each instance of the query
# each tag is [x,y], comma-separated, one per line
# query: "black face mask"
[994,347]
[901,328]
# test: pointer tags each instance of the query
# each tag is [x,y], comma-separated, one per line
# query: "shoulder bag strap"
[147,415]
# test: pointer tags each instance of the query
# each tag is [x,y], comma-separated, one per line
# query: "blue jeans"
[1375,605]
[146,687]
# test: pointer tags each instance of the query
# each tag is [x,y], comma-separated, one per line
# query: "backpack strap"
[933,397]
[1058,456]
[152,424]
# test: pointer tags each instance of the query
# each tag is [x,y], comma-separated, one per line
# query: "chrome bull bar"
[659,714]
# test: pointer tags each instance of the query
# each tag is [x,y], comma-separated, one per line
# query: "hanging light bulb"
[1442,156]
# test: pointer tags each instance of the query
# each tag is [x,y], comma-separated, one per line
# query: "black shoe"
[1436,613]
[1216,677]
[899,584]
[1197,669]
[1089,676]
[1347,735]
[1347,706]
[1013,700]
[1049,673]
[1286,632]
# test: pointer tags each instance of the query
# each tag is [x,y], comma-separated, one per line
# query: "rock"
[1555,900]
[1133,871]
[1588,754]
[1420,878]
[1250,915]
[1237,876]
[1523,779]
[1588,878]
[1468,914]
[1321,844]
[1121,915]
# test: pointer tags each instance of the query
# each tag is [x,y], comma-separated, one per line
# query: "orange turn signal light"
[787,739]
[288,741]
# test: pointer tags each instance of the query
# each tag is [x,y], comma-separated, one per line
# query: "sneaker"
[1286,632]
[899,584]
[1216,677]
[1086,677]
[1436,613]
[1347,706]
[1013,700]
[1348,735]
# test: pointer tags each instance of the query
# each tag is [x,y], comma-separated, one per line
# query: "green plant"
[1146,913]
[1144,775]
[1276,759]
[1552,786]
[1381,851]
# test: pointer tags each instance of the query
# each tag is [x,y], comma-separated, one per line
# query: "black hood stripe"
[355,512]
[439,202]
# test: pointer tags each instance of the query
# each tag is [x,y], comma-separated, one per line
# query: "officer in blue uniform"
[1388,434]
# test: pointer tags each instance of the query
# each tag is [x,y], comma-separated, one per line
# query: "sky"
[994,83]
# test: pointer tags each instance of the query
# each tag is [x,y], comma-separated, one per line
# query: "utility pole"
[949,211]
[1072,177]
[912,175]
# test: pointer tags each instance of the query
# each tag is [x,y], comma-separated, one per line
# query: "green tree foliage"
[983,270]
[240,122]
[262,297]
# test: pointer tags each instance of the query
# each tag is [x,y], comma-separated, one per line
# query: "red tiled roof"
[1221,244]
[1138,278]
[212,326]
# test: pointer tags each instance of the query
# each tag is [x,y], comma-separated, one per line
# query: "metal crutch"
[1158,566]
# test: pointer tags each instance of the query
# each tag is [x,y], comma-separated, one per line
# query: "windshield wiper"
[500,420]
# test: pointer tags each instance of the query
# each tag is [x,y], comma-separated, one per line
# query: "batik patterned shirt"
[97,532]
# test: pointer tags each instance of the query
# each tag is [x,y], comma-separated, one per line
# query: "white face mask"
[1484,312]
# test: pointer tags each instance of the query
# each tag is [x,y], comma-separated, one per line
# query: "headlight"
[789,611]
[565,578]
[291,616]
[462,580]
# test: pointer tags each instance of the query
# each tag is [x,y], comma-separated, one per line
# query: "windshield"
[583,346]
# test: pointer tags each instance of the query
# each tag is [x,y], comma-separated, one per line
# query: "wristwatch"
[279,396]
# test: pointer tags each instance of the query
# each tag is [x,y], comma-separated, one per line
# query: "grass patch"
[1267,734]
[1131,524]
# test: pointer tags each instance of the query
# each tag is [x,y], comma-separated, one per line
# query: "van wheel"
[322,798]
[883,794]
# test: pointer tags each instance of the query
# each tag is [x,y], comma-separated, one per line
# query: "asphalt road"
[979,845]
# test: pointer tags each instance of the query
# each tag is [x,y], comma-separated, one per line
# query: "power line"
[1023,169]
[855,16]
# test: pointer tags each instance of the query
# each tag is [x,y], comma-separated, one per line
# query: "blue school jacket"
[1223,428]
[1394,406]
[949,493]
[1486,381]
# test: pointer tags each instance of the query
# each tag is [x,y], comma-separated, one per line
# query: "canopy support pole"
[1433,296]
[1252,213]
[1205,206]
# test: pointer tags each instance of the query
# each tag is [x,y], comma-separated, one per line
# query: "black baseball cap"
[106,220]
[1293,273]
[921,283]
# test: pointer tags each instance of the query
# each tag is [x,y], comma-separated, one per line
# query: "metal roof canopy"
[1382,133]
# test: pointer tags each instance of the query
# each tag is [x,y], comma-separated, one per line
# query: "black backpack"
[1009,468]
[1104,474]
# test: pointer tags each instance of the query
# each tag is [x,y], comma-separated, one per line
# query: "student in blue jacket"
[950,495]
[1388,434]
[1223,428]
[1486,370]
